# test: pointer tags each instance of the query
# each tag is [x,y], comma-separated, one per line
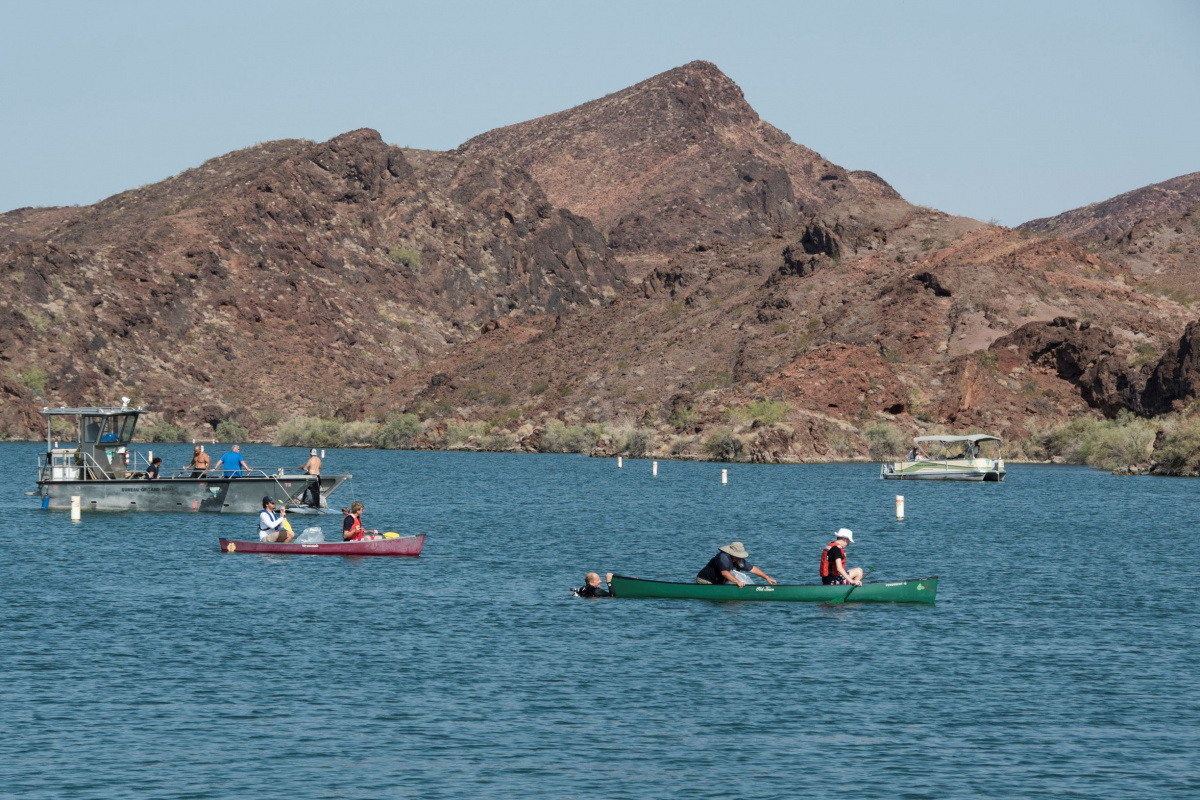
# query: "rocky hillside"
[1154,231]
[659,264]
[676,161]
[290,275]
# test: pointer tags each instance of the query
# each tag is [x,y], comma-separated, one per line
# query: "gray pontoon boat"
[108,475]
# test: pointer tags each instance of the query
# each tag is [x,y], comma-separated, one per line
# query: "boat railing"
[70,464]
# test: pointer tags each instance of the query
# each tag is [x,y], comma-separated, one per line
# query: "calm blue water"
[1060,660]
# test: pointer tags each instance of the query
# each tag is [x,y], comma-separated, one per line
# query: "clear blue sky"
[993,110]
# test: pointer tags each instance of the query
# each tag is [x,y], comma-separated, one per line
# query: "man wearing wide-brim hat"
[730,559]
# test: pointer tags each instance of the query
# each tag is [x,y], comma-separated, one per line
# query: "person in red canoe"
[352,529]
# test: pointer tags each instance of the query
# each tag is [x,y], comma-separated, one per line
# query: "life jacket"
[827,569]
[356,530]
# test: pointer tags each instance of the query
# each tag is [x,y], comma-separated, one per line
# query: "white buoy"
[724,477]
[654,468]
[899,506]
[150,456]
[74,508]
[322,453]
[619,464]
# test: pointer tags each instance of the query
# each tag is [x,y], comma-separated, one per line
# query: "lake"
[1060,660]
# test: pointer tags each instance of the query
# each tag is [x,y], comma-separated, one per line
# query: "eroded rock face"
[677,159]
[1065,344]
[343,262]
[1082,354]
[1175,380]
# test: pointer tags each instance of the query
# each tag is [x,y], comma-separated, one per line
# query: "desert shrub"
[1120,442]
[680,445]
[1143,353]
[232,431]
[1103,444]
[35,379]
[684,418]
[1180,451]
[268,417]
[359,433]
[309,432]
[406,256]
[560,438]
[723,445]
[499,442]
[634,442]
[884,443]
[764,412]
[540,387]
[399,432]
[167,433]
[459,432]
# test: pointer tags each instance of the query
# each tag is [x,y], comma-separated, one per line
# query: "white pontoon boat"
[975,457]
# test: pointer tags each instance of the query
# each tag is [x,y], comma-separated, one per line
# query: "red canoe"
[403,546]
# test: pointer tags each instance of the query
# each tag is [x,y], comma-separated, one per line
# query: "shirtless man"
[313,467]
[200,462]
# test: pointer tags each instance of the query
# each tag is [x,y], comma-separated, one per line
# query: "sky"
[1003,111]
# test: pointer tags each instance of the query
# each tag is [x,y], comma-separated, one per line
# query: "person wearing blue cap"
[273,527]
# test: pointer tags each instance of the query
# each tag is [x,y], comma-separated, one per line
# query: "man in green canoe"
[724,566]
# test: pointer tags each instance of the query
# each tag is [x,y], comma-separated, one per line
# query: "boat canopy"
[973,438]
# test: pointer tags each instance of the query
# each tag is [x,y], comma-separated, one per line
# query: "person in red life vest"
[352,529]
[833,561]
[724,566]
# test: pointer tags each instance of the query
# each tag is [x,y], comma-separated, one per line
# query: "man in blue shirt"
[730,558]
[233,464]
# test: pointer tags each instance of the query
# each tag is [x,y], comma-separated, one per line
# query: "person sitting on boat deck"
[833,561]
[271,525]
[592,588]
[352,529]
[233,463]
[721,568]
[199,463]
[312,495]
[154,469]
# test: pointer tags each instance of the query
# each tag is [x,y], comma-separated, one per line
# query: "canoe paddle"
[846,596]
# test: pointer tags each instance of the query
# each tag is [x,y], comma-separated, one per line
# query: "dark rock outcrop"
[1175,380]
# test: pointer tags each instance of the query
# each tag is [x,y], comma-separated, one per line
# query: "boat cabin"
[101,451]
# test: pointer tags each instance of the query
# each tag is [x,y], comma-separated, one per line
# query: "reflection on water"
[1060,660]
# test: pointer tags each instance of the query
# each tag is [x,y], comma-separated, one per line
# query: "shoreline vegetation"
[1165,445]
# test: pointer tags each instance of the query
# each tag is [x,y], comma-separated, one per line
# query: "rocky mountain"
[289,273]
[659,261]
[1154,231]
[677,161]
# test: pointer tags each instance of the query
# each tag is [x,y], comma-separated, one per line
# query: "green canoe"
[915,590]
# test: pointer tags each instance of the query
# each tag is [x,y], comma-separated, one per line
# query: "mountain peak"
[677,159]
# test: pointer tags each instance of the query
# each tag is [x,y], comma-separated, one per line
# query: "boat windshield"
[958,447]
[116,428]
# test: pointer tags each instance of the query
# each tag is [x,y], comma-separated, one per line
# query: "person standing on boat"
[313,467]
[721,568]
[271,526]
[352,529]
[833,561]
[152,471]
[200,462]
[233,463]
